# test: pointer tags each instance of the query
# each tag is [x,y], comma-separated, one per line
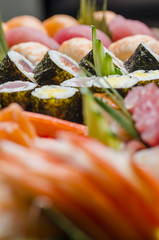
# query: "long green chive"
[126,123]
[86,15]
[103,65]
[98,126]
[102,61]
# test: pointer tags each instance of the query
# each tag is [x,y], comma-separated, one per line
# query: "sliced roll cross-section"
[17,91]
[57,101]
[16,67]
[145,77]
[56,67]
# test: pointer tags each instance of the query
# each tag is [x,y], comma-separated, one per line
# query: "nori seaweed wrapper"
[19,92]
[55,68]
[69,108]
[16,67]
[84,63]
[142,59]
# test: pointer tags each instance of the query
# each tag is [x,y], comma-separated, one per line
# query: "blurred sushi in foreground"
[17,91]
[57,101]
[15,66]
[56,67]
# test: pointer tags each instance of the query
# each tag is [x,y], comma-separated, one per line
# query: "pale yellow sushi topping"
[115,81]
[51,92]
[142,75]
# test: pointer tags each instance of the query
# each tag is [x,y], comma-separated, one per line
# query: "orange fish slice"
[13,114]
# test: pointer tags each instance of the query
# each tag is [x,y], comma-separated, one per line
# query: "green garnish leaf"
[87,16]
[98,126]
[3,43]
[68,227]
[103,62]
[124,122]
[95,119]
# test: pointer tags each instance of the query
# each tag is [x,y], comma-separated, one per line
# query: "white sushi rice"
[145,75]
[16,57]
[72,66]
[149,49]
[78,82]
[54,91]
[17,86]
[116,81]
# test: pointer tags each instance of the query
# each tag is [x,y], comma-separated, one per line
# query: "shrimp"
[126,46]
[33,51]
[109,15]
[27,21]
[76,48]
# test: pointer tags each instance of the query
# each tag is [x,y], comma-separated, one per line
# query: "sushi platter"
[79,132]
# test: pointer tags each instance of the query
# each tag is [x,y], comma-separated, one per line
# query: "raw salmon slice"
[14,114]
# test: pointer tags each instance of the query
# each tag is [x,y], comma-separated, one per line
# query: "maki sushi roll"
[16,67]
[82,82]
[57,101]
[56,67]
[145,77]
[17,91]
[144,58]
[122,83]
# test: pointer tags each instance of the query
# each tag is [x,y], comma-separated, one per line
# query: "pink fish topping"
[143,103]
[25,65]
[68,63]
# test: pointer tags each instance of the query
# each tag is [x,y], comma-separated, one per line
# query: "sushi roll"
[16,67]
[145,77]
[82,82]
[122,83]
[144,58]
[17,91]
[57,101]
[56,67]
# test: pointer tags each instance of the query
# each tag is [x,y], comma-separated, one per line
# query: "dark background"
[143,10]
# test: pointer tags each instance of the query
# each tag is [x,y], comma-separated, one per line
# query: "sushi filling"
[145,75]
[23,64]
[53,91]
[65,62]
[79,82]
[116,81]
[17,86]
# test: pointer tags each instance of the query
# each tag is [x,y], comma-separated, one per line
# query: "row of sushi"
[53,86]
